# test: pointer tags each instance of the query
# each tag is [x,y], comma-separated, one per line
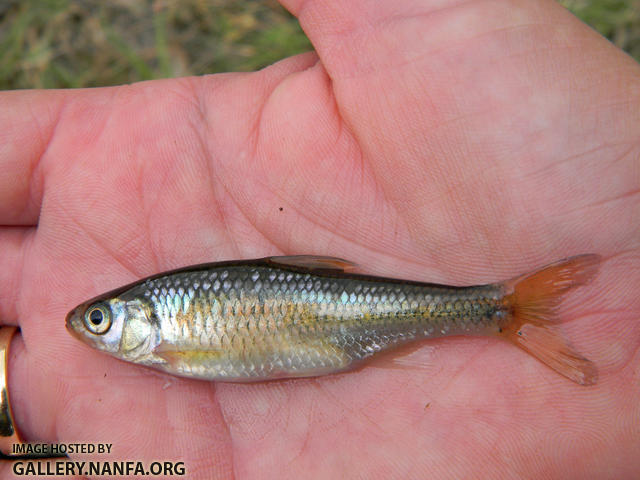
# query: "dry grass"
[64,43]
[618,20]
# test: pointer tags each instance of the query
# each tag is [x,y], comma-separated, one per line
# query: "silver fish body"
[278,317]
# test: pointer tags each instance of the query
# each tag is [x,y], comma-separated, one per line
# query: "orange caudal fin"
[534,301]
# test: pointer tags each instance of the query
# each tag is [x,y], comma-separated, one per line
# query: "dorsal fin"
[314,262]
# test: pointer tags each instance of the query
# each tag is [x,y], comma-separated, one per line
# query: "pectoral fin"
[177,358]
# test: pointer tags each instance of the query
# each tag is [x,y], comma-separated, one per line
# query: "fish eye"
[97,319]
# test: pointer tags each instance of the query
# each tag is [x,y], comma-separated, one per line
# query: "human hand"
[458,143]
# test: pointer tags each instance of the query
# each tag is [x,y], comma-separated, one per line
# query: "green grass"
[618,20]
[65,43]
[88,43]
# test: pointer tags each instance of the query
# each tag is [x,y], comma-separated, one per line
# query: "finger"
[368,36]
[464,100]
[13,242]
[27,125]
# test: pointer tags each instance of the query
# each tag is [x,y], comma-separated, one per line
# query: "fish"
[306,316]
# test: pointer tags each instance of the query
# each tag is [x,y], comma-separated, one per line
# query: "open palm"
[454,142]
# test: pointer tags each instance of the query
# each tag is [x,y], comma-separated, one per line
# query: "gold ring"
[8,433]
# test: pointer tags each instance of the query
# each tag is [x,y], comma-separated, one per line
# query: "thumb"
[360,37]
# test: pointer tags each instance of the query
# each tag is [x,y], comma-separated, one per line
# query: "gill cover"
[138,332]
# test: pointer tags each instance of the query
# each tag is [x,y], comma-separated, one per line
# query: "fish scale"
[256,321]
[301,316]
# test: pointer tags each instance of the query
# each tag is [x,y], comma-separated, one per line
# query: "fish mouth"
[72,322]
